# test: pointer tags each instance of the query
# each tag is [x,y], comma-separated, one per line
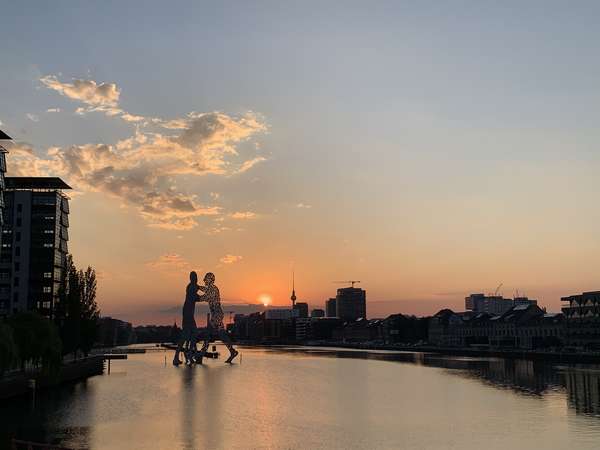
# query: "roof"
[36,183]
[3,135]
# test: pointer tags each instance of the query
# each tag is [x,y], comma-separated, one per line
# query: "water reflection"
[580,382]
[319,398]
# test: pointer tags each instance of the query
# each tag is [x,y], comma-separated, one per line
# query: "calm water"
[319,399]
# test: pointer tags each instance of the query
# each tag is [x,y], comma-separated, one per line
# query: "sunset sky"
[428,149]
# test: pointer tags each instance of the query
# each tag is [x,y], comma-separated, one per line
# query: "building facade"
[582,319]
[351,304]
[34,244]
[331,308]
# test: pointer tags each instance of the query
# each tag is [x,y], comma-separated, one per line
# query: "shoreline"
[534,355]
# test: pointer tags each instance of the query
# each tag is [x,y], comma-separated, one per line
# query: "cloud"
[170,262]
[86,91]
[243,215]
[230,259]
[303,206]
[32,117]
[53,110]
[250,164]
[142,171]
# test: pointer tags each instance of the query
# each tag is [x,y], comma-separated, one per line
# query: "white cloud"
[243,215]
[32,117]
[53,110]
[230,259]
[86,91]
[170,262]
[303,206]
[142,170]
[250,164]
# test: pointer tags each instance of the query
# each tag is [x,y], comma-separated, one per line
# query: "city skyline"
[430,152]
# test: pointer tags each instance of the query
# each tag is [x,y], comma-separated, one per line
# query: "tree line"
[28,339]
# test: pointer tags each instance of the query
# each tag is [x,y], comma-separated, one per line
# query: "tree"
[37,340]
[8,348]
[79,312]
[89,309]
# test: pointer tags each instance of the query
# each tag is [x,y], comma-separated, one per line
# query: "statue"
[215,327]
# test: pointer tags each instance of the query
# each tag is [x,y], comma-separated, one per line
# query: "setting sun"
[265,299]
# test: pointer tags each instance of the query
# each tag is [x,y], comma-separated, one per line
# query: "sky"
[428,149]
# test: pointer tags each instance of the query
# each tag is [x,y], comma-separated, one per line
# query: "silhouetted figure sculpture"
[187,341]
[214,327]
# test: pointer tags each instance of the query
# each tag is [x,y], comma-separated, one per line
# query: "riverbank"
[19,384]
[551,356]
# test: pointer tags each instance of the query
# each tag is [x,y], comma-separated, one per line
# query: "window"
[20,207]
[48,217]
[19,222]
[48,245]
[18,236]
[17,251]
[6,245]
[17,266]
[16,281]
[47,289]
[48,231]
[47,274]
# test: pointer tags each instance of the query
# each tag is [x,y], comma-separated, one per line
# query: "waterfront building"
[321,328]
[302,309]
[302,329]
[491,304]
[522,326]
[351,304]
[361,330]
[331,308]
[317,312]
[582,319]
[281,314]
[34,244]
[524,301]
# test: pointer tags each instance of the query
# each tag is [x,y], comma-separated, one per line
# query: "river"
[318,398]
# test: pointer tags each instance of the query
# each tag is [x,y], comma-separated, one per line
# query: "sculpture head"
[209,278]
[193,277]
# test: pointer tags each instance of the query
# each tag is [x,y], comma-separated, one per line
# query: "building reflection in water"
[581,383]
[583,389]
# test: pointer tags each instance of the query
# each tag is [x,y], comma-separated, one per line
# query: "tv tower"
[293,297]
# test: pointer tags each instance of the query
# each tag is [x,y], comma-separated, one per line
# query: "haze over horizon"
[428,150]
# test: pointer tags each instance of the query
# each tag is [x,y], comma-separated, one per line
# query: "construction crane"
[498,288]
[348,281]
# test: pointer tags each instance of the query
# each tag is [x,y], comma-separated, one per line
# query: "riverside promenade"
[20,383]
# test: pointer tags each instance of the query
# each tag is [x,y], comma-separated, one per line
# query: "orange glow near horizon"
[265,299]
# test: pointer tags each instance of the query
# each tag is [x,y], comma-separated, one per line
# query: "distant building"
[302,329]
[351,303]
[34,244]
[524,301]
[302,309]
[317,312]
[361,330]
[281,313]
[331,308]
[491,304]
[582,320]
[112,332]
[522,326]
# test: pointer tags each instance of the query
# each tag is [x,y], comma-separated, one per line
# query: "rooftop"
[36,183]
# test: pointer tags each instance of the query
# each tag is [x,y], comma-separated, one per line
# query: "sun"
[265,299]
